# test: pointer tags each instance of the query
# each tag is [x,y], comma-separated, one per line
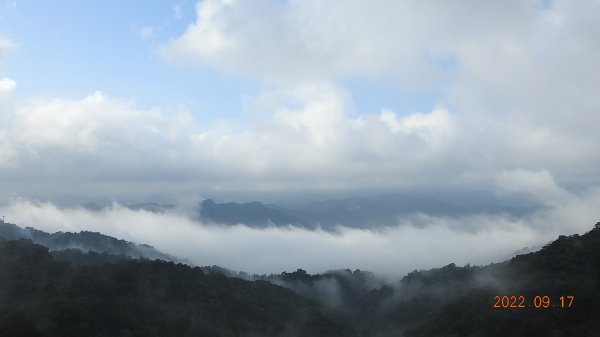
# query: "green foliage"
[568,266]
[45,297]
[71,293]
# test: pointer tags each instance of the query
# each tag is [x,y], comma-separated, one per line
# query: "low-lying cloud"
[516,104]
[416,242]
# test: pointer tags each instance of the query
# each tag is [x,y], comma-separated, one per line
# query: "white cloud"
[518,111]
[538,184]
[433,127]
[7,86]
[305,139]
[146,32]
[520,93]
[519,79]
[299,40]
[82,125]
[416,242]
[299,139]
[405,41]
[5,44]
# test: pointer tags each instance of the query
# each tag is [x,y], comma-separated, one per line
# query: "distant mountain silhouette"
[254,214]
[380,210]
[360,212]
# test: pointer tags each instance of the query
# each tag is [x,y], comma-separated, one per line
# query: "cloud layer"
[516,86]
[515,108]
[99,139]
[416,242]
[300,40]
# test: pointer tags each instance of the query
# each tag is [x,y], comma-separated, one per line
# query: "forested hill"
[459,301]
[85,241]
[71,293]
[41,296]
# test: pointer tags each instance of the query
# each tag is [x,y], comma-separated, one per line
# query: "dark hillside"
[43,297]
[75,293]
[458,301]
[85,241]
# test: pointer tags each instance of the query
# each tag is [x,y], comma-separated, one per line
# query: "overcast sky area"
[141,101]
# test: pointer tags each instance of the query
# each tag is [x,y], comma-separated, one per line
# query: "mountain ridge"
[85,241]
[445,301]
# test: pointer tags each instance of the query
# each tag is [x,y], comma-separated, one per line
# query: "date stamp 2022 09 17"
[536,302]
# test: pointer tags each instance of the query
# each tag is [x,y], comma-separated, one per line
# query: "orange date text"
[536,302]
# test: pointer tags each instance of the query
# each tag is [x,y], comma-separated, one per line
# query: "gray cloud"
[102,140]
[312,40]
[519,93]
[417,241]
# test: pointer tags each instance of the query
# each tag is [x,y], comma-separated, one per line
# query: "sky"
[140,101]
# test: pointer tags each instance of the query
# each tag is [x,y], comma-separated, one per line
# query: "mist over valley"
[299,168]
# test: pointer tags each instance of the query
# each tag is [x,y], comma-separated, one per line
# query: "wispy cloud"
[7,86]
[146,32]
[5,44]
